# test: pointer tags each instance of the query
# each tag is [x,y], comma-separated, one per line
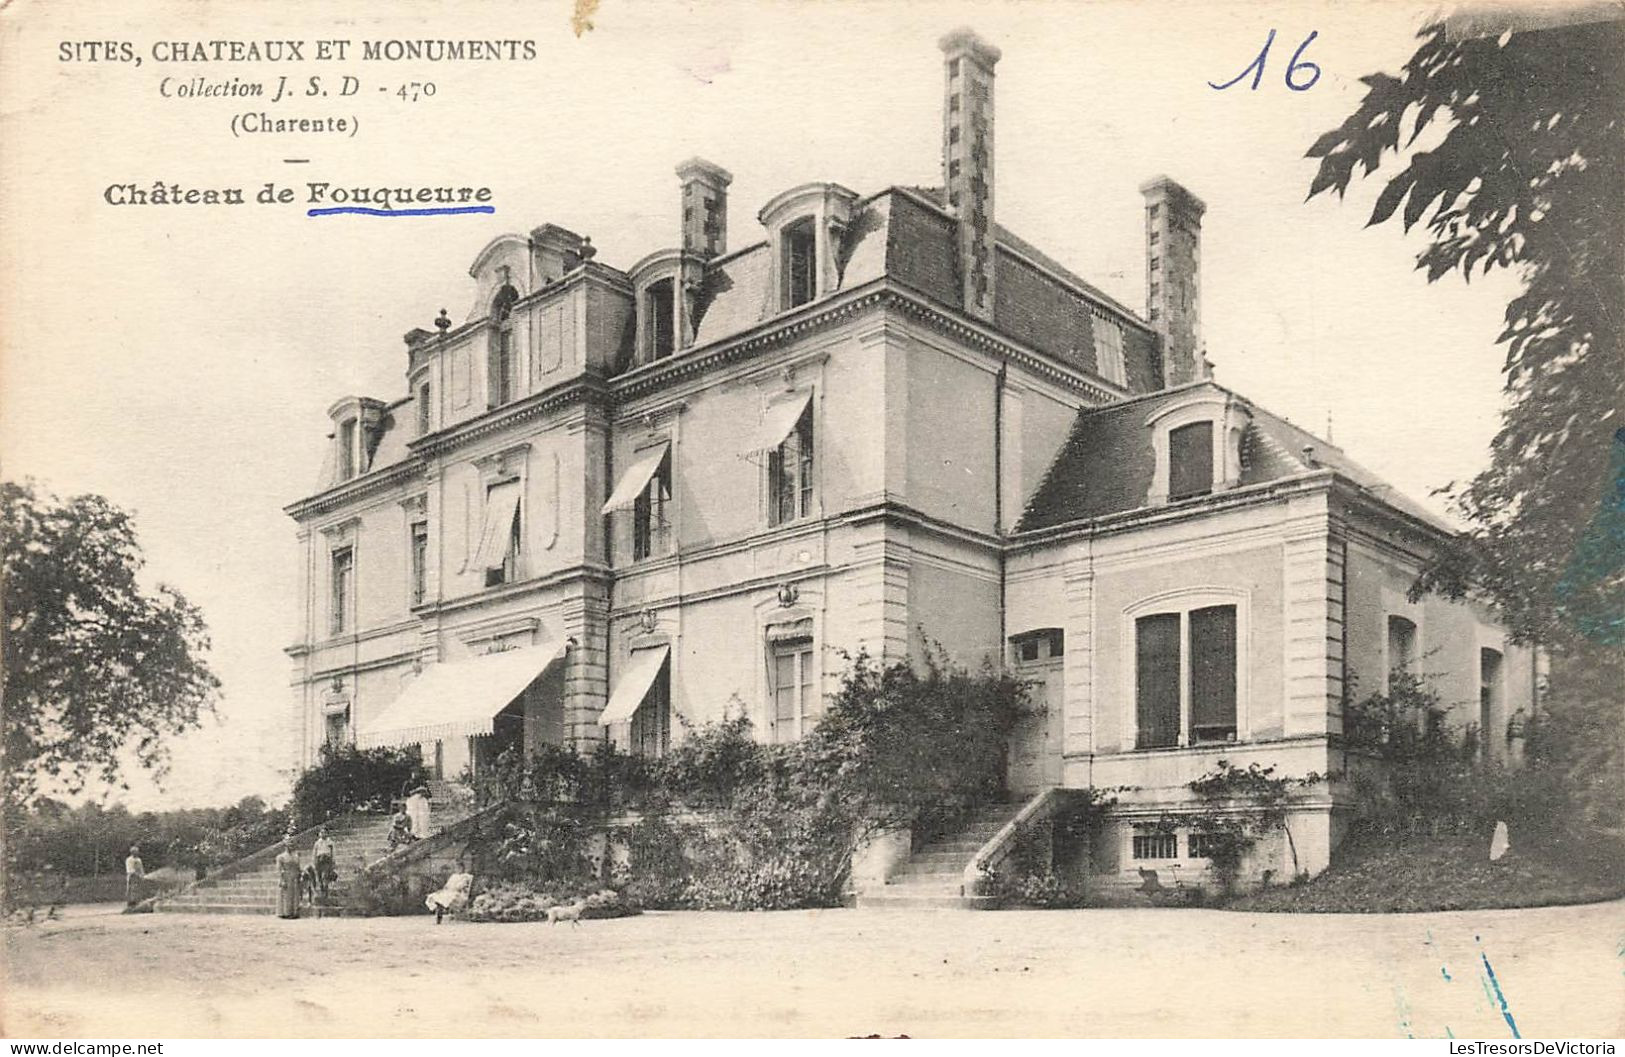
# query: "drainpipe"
[998,491]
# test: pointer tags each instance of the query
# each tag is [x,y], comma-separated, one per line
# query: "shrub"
[350,779]
[376,893]
[515,901]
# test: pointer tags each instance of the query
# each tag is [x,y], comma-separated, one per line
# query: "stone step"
[952,878]
[901,901]
[213,908]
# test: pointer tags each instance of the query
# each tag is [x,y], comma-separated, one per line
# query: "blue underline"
[366,212]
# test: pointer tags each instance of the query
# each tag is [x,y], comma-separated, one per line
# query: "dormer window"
[805,225]
[1196,441]
[800,247]
[503,365]
[347,449]
[1190,460]
[659,319]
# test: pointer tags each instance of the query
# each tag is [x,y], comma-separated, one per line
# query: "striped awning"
[640,674]
[459,699]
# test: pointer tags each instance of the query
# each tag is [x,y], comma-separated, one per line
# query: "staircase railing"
[977,878]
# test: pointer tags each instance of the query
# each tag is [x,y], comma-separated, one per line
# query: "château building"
[624,502]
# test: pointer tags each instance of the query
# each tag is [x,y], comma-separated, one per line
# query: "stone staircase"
[250,885]
[933,877]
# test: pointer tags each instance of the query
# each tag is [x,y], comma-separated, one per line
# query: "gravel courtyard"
[1561,972]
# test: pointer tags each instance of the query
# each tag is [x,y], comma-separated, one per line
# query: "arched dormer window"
[503,367]
[1196,441]
[804,229]
[661,313]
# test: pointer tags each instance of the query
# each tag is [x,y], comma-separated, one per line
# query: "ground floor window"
[1185,677]
[651,724]
[790,683]
[337,730]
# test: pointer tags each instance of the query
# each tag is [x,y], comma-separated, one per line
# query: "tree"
[1527,177]
[96,666]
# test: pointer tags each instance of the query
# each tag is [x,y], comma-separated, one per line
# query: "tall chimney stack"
[967,161]
[705,207]
[1173,266]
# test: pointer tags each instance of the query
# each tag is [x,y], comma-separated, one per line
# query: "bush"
[350,779]
[379,894]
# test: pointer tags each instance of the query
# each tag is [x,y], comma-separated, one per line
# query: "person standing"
[323,852]
[287,889]
[134,872]
[417,809]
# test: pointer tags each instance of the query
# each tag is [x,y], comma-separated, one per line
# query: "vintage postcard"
[812,520]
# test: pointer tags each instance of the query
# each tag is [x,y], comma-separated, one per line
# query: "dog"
[570,912]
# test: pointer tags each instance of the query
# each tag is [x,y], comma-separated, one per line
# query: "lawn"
[1373,876]
[829,973]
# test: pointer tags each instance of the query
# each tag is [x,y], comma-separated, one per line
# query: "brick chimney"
[705,207]
[1173,268]
[967,160]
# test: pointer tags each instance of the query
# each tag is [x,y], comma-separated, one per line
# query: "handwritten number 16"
[1256,67]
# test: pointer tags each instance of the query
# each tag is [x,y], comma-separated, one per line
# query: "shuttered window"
[1156,696]
[1213,673]
[1190,460]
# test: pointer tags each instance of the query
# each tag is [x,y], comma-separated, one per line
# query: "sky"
[180,360]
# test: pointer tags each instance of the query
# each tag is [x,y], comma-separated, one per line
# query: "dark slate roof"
[1106,465]
[903,234]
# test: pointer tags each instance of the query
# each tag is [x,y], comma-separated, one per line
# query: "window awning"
[635,479]
[779,421]
[501,507]
[459,699]
[633,687]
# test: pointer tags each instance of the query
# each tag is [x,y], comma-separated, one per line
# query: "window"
[347,460]
[651,723]
[790,677]
[337,724]
[1043,644]
[1190,460]
[1185,675]
[790,473]
[800,260]
[1156,263]
[660,333]
[1489,696]
[1154,844]
[1156,236]
[500,534]
[1109,351]
[423,409]
[649,512]
[1201,845]
[343,590]
[420,562]
[502,368]
[1401,648]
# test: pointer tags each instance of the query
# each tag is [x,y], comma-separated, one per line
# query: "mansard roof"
[1107,464]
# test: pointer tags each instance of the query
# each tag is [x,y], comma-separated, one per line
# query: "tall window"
[501,534]
[342,598]
[795,702]
[503,365]
[790,472]
[800,262]
[1489,696]
[649,513]
[420,562]
[651,724]
[347,460]
[1401,648]
[338,727]
[423,409]
[660,330]
[1190,460]
[1185,677]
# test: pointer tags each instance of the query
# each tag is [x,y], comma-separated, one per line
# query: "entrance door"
[1035,743]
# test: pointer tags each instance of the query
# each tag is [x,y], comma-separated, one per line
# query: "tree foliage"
[346,779]
[96,665]
[1527,178]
